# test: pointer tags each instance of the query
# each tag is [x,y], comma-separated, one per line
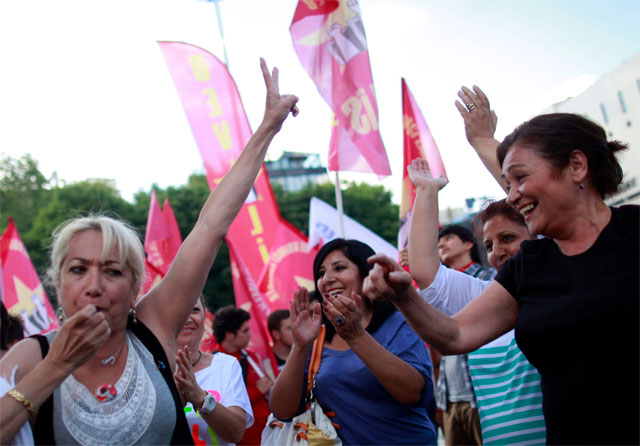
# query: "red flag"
[23,294]
[152,276]
[249,297]
[175,239]
[289,266]
[161,242]
[418,143]
[329,38]
[208,342]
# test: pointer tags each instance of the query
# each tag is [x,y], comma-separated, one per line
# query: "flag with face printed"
[329,39]
[23,294]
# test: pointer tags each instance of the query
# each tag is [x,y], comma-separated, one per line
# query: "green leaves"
[38,207]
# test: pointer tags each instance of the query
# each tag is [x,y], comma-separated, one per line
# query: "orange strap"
[316,357]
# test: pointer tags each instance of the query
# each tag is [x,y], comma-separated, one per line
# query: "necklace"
[112,359]
[197,360]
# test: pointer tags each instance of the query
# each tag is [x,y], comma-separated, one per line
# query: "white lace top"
[142,412]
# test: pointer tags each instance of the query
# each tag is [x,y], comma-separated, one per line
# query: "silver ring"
[471,106]
[340,320]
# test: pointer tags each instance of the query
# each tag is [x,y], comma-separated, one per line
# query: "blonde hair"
[116,234]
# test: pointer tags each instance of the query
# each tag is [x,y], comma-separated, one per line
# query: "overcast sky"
[84,87]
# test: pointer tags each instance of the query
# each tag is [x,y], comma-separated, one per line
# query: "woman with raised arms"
[106,376]
[570,296]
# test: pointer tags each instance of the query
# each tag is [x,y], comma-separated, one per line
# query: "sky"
[85,90]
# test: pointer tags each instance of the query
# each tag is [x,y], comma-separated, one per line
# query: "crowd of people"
[541,346]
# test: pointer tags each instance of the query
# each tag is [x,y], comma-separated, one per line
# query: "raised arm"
[286,393]
[488,316]
[423,232]
[479,126]
[167,306]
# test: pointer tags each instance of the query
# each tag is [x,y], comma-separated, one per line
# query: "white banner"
[324,227]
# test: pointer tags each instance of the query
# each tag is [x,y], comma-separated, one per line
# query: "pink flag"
[212,104]
[23,294]
[418,143]
[162,238]
[329,38]
[254,234]
[213,108]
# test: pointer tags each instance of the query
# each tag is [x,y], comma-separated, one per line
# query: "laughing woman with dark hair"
[570,296]
[375,373]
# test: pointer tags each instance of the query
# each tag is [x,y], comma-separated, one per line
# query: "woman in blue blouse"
[375,372]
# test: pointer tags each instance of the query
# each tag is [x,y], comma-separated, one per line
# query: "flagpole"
[224,47]
[339,205]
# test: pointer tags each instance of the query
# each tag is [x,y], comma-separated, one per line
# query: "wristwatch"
[208,404]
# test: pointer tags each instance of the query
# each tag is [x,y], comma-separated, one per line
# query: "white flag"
[324,227]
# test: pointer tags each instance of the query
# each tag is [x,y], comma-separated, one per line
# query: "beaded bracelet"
[19,397]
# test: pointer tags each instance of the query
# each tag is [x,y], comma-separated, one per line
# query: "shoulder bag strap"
[244,364]
[316,358]
[43,430]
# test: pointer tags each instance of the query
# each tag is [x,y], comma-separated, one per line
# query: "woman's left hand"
[345,314]
[186,379]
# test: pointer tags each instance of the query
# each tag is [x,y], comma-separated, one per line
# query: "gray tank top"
[143,411]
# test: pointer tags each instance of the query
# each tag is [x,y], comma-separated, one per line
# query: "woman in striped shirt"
[506,385]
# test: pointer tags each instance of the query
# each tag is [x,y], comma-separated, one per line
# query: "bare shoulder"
[26,355]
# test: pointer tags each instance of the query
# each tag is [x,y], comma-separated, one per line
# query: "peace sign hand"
[278,106]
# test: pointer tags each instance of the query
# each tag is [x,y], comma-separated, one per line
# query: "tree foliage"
[38,208]
[369,205]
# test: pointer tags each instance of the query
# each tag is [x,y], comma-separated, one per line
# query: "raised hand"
[305,318]
[479,120]
[421,177]
[387,279]
[186,380]
[278,106]
[345,314]
[79,338]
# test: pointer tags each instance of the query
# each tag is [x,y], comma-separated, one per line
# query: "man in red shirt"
[231,330]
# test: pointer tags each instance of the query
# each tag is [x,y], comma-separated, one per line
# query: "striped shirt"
[506,386]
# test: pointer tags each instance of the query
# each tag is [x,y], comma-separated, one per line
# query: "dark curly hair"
[555,136]
[228,319]
[358,253]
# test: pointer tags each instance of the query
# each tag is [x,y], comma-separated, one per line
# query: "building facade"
[614,103]
[294,170]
